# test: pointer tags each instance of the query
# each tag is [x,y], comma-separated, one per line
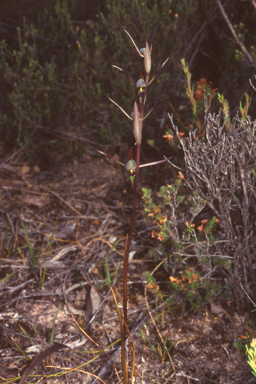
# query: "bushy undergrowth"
[205,219]
[57,73]
[51,76]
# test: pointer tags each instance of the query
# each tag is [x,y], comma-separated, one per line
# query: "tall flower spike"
[147,59]
[136,124]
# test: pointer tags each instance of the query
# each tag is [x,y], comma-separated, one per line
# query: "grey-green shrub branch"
[209,212]
[220,169]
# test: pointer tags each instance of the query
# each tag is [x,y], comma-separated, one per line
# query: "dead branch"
[241,45]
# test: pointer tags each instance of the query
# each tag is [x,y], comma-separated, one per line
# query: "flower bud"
[142,51]
[132,115]
[147,59]
[136,124]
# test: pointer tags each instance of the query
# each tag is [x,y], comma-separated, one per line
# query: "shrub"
[48,83]
[209,212]
[58,72]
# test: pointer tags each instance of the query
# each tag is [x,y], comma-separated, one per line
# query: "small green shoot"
[25,333]
[36,331]
[251,353]
[244,109]
[31,249]
[23,353]
[190,94]
[225,110]
[108,276]
[53,328]
[48,252]
[7,277]
[160,352]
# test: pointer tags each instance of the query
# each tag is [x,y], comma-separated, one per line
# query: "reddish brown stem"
[129,240]
[135,187]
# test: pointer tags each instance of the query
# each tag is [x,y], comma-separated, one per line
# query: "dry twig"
[241,45]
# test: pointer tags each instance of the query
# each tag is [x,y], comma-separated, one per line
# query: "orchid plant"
[137,117]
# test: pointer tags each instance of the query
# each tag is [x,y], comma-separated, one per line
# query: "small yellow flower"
[189,226]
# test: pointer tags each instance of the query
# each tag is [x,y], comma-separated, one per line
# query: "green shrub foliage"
[56,73]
